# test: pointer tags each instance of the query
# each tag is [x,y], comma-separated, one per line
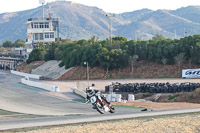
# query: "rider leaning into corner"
[90,92]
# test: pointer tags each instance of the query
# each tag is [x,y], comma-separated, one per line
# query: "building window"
[39,36]
[41,25]
[46,35]
[52,35]
[36,36]
[46,25]
[49,35]
[36,25]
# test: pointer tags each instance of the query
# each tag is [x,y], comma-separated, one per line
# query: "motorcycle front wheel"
[99,109]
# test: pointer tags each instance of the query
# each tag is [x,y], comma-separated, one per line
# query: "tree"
[180,58]
[116,45]
[158,37]
[35,55]
[119,38]
[164,61]
[8,44]
[19,43]
[93,40]
[104,59]
[132,60]
[58,54]
[2,49]
[50,51]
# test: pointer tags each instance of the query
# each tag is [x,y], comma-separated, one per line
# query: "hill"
[78,21]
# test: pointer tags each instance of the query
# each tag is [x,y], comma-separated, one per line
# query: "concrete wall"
[50,69]
[34,76]
[78,92]
[47,87]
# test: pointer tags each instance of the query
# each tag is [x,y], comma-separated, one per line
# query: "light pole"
[42,2]
[86,63]
[110,27]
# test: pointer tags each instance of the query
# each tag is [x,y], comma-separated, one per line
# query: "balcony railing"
[39,18]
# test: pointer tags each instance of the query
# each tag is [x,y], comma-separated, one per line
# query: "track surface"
[24,99]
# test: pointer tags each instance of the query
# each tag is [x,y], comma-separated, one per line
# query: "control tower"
[44,30]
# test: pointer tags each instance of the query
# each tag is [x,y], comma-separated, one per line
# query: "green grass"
[17,115]
[191,97]
[125,106]
[4,112]
[79,100]
[28,87]
[173,97]
[120,106]
[110,76]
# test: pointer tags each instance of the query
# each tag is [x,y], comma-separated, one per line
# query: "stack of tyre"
[154,87]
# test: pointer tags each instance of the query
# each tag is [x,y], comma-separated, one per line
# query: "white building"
[42,30]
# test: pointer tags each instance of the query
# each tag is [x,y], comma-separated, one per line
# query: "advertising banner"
[191,73]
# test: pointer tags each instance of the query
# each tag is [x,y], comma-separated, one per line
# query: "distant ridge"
[81,22]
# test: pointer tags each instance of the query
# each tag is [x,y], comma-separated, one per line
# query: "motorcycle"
[101,105]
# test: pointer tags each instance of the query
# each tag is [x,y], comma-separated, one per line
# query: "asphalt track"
[24,99]
[19,98]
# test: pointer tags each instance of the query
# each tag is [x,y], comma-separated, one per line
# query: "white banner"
[191,73]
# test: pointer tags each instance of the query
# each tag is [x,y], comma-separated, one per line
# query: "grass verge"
[79,100]
[4,112]
[125,106]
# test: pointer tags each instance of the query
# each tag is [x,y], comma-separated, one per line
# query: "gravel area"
[160,124]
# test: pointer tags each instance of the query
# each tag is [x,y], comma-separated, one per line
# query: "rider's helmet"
[89,89]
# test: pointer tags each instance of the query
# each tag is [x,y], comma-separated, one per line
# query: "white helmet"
[89,89]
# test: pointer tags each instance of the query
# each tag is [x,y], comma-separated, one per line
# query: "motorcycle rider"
[90,92]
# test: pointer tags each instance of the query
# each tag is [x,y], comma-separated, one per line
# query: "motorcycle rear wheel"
[112,109]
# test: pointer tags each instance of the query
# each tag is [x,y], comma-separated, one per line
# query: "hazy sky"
[112,6]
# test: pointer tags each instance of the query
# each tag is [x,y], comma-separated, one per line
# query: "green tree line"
[16,44]
[122,52]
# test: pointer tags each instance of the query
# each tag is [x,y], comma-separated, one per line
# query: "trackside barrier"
[113,97]
[47,87]
[78,92]
[131,97]
[34,76]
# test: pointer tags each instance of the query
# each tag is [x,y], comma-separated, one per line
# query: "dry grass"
[175,124]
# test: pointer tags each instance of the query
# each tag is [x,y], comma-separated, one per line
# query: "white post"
[87,74]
